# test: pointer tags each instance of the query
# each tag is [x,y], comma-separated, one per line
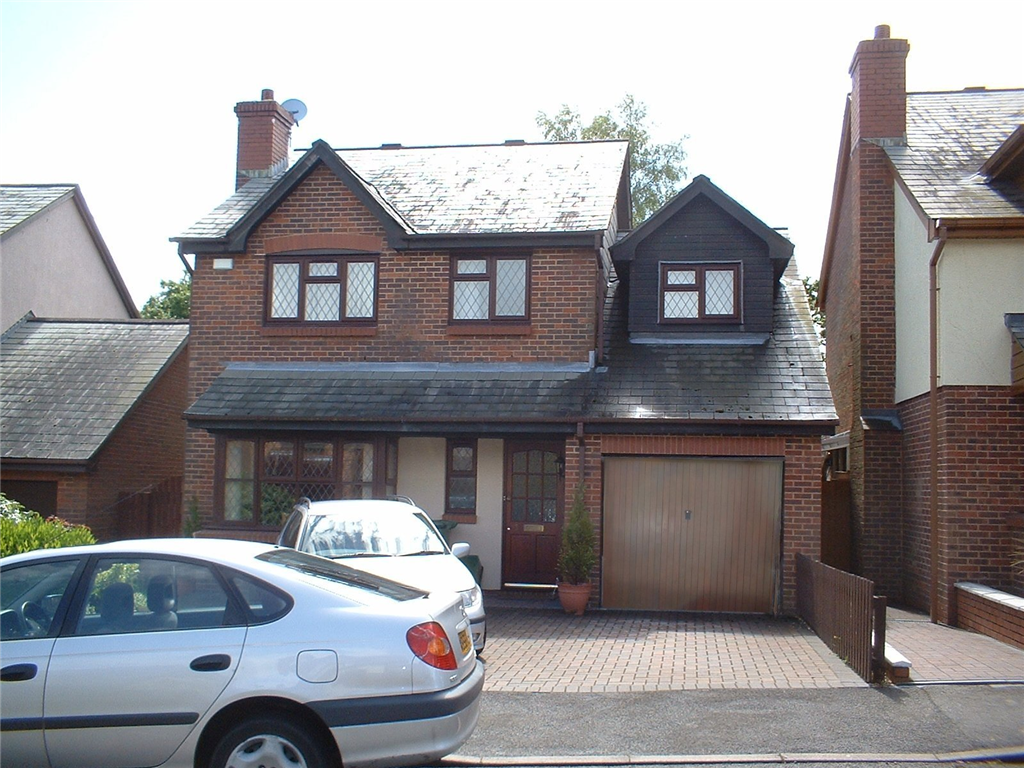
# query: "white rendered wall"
[52,267]
[421,475]
[913,252]
[979,282]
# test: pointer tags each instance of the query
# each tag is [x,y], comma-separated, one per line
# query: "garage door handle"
[15,673]
[213,663]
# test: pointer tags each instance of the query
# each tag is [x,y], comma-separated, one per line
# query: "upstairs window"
[699,292]
[321,289]
[490,288]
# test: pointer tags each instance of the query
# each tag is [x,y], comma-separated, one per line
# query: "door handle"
[16,673]
[215,662]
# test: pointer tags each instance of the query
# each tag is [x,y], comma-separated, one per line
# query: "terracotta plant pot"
[574,597]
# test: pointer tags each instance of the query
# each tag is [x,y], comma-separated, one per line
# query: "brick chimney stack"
[879,101]
[264,138]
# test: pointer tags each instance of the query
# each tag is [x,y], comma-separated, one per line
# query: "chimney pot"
[268,94]
[882,32]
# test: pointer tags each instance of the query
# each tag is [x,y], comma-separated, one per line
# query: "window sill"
[319,330]
[467,519]
[490,329]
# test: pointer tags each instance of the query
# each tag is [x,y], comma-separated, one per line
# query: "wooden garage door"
[692,534]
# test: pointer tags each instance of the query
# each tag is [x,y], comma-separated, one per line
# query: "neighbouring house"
[923,287]
[53,260]
[471,326]
[91,418]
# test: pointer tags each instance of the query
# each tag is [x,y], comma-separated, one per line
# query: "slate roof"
[782,380]
[468,190]
[20,202]
[68,384]
[950,136]
[331,394]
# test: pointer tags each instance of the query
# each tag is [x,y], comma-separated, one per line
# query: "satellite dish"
[296,107]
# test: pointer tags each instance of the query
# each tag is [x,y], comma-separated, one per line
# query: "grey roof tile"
[504,188]
[20,202]
[781,380]
[67,384]
[950,136]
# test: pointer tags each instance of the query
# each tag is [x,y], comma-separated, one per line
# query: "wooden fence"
[153,511]
[843,611]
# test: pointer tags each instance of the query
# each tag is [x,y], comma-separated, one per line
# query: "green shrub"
[577,556]
[22,530]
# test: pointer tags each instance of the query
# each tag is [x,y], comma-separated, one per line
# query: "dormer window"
[699,293]
[321,289]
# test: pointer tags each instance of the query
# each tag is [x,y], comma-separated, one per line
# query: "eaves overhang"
[729,427]
[236,238]
[51,466]
[780,249]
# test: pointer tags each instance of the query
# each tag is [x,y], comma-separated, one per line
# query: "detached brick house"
[469,327]
[923,285]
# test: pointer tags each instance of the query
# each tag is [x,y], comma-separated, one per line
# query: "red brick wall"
[981,477]
[801,505]
[147,448]
[916,503]
[412,309]
[990,617]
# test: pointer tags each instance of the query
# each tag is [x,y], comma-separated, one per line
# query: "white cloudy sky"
[134,100]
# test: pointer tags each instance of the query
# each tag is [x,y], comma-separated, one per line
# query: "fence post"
[878,605]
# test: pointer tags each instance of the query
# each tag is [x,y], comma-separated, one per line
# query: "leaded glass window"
[490,288]
[322,289]
[696,292]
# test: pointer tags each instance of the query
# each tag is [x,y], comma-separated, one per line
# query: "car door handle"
[15,673]
[215,662]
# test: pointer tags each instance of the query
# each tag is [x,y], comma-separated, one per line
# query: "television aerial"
[296,107]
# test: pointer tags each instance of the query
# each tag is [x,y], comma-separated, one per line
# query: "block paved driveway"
[532,646]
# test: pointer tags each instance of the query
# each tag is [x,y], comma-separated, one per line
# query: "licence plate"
[464,641]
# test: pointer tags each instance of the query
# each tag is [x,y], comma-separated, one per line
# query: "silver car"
[394,539]
[211,653]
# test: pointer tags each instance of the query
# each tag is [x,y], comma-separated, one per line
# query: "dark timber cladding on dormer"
[702,233]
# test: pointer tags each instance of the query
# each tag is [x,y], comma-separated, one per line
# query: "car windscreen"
[320,568]
[365,532]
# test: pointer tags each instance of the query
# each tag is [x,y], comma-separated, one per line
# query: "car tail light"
[430,643]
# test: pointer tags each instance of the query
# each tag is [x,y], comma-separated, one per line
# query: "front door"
[532,512]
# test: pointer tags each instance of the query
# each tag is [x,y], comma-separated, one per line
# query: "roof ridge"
[507,143]
[966,90]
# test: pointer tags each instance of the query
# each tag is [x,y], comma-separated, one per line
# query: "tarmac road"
[881,725]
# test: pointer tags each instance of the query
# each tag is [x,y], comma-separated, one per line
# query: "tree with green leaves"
[173,301]
[657,169]
[811,287]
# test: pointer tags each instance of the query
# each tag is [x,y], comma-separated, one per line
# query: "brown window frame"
[489,276]
[699,287]
[459,513]
[382,484]
[304,261]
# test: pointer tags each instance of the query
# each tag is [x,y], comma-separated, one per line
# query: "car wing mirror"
[460,549]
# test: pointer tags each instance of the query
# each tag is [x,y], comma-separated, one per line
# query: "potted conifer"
[576,557]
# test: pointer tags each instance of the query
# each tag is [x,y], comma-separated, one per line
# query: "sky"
[134,101]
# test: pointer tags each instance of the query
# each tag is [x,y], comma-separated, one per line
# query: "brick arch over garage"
[323,241]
